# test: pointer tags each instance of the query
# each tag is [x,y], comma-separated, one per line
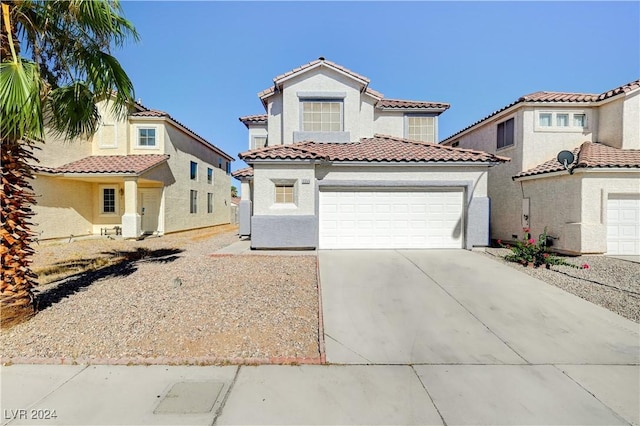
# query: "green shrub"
[529,251]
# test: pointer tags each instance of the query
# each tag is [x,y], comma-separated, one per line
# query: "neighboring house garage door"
[623,224]
[380,219]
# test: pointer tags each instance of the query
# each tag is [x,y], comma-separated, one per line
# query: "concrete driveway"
[490,344]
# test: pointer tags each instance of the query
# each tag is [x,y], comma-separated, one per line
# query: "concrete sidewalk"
[349,395]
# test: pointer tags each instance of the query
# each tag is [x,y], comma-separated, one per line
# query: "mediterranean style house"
[146,173]
[590,206]
[334,164]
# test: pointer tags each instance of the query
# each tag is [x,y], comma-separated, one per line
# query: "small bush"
[529,251]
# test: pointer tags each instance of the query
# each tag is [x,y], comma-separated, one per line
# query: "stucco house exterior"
[333,164]
[593,205]
[146,173]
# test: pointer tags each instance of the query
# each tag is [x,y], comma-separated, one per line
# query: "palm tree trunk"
[16,196]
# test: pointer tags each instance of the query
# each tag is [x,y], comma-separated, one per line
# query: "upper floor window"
[228,166]
[147,137]
[209,175]
[421,128]
[322,116]
[258,142]
[194,170]
[219,163]
[553,121]
[209,202]
[506,131]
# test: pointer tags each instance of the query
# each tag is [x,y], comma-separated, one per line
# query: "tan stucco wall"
[55,151]
[64,207]
[574,207]
[182,150]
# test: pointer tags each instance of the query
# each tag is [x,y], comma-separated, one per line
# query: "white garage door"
[623,224]
[378,219]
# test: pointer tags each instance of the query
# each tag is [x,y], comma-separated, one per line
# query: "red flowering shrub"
[527,251]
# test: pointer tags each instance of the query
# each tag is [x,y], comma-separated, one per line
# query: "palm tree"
[56,64]
[234,191]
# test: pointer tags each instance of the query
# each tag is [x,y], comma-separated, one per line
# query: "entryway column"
[131,220]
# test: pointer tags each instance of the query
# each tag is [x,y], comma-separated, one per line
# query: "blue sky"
[204,62]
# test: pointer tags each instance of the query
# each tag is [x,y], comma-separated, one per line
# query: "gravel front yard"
[170,300]
[611,283]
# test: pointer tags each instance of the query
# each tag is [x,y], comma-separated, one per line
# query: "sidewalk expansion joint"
[226,396]
[444,422]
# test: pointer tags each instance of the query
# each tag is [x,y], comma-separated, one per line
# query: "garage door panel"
[385,219]
[623,224]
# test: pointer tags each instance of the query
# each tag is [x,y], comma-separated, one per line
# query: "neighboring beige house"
[593,206]
[334,164]
[146,173]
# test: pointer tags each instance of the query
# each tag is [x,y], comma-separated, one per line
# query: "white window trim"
[334,100]
[554,128]
[288,182]
[116,191]
[435,124]
[139,127]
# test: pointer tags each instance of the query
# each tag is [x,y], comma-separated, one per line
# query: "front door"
[149,209]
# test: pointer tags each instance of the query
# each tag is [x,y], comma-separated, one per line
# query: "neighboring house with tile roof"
[333,164]
[145,173]
[593,206]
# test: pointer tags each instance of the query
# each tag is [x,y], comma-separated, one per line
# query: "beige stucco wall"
[56,151]
[389,123]
[64,207]
[267,175]
[542,144]
[265,178]
[574,207]
[610,126]
[254,130]
[631,121]
[182,150]
[419,174]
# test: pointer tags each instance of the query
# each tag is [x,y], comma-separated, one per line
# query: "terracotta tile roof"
[253,119]
[236,200]
[374,93]
[318,61]
[143,111]
[621,89]
[128,164]
[566,97]
[247,172]
[378,149]
[404,104]
[590,155]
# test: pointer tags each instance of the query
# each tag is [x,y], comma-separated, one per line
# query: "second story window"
[506,131]
[209,175]
[147,137]
[258,142]
[561,121]
[194,170]
[420,128]
[219,163]
[322,116]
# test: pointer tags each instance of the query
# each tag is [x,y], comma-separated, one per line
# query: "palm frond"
[71,111]
[20,103]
